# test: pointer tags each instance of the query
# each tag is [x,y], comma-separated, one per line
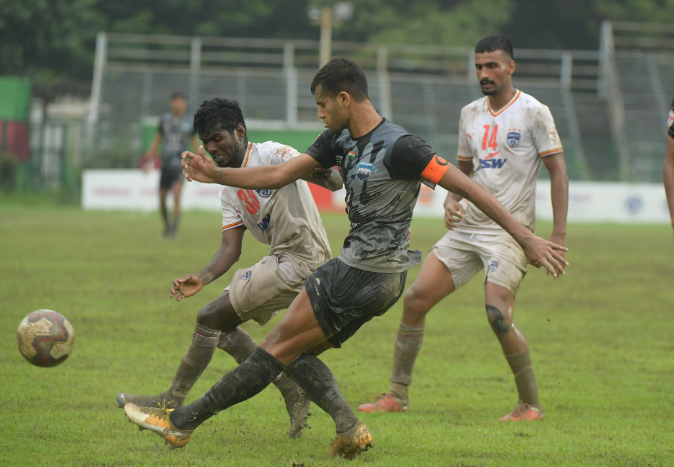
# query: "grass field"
[602,343]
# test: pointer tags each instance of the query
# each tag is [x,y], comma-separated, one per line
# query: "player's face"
[226,149]
[331,110]
[178,106]
[494,71]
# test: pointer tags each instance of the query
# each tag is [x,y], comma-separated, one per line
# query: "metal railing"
[421,87]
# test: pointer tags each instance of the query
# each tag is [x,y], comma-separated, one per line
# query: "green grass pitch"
[602,343]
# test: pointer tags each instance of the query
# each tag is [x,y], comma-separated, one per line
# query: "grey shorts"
[499,255]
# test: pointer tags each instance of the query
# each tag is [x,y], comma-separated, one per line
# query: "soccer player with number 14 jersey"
[503,137]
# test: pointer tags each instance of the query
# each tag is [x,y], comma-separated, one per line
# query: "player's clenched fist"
[199,167]
[454,213]
[540,252]
[186,286]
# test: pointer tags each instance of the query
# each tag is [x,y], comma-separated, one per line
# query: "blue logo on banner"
[364,171]
[634,204]
[514,138]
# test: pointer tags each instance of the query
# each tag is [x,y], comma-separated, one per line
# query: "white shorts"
[262,291]
[465,254]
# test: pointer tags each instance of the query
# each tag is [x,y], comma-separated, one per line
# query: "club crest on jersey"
[364,171]
[514,138]
[263,193]
[246,275]
[493,265]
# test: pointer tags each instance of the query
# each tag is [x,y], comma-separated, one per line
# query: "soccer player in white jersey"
[286,219]
[503,137]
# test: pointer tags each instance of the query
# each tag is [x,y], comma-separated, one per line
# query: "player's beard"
[494,91]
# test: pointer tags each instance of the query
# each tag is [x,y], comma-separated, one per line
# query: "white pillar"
[326,36]
[291,83]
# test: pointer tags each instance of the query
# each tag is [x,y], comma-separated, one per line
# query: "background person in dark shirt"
[669,164]
[176,130]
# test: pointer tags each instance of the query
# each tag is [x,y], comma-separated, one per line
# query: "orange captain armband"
[435,169]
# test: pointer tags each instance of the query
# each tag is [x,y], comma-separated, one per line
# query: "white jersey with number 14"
[506,148]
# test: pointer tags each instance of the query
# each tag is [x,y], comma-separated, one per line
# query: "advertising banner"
[135,190]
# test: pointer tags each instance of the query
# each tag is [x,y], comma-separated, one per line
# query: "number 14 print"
[492,141]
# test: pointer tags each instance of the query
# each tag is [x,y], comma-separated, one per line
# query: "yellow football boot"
[157,419]
[348,445]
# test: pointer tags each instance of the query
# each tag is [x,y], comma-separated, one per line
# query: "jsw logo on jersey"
[492,163]
[264,223]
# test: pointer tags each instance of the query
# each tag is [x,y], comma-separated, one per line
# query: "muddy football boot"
[298,409]
[148,401]
[523,412]
[386,403]
[348,445]
[157,419]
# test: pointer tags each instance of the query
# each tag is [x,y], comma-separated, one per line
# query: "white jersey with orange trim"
[287,218]
[506,149]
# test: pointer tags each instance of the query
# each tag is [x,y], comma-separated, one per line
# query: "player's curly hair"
[494,43]
[218,115]
[341,74]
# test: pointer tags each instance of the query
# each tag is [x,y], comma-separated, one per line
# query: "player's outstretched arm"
[454,212]
[201,168]
[225,257]
[326,178]
[539,252]
[668,174]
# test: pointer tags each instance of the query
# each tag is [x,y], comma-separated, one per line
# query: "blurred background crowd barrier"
[610,105]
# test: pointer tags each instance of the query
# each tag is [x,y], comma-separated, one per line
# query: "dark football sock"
[240,345]
[174,224]
[320,385]
[165,218]
[240,384]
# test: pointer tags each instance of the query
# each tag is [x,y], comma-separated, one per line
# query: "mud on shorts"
[262,291]
[169,176]
[465,254]
[344,298]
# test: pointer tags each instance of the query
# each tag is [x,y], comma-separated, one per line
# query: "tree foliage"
[57,37]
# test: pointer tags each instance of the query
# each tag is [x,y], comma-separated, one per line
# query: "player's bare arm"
[201,168]
[559,191]
[454,212]
[539,252]
[668,174]
[326,178]
[228,254]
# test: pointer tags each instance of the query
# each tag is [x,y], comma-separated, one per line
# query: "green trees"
[55,38]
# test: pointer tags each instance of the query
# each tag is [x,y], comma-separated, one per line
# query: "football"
[46,338]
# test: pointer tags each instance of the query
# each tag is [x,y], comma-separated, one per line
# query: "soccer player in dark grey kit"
[175,129]
[382,167]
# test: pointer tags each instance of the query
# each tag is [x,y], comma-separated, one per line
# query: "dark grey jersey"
[177,133]
[382,176]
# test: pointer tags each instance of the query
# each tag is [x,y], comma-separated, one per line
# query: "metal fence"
[422,88]
[609,105]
